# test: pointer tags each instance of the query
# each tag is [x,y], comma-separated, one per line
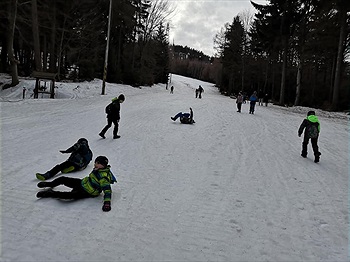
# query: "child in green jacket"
[312,128]
[100,179]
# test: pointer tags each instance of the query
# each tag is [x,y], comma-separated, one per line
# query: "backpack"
[313,131]
[108,109]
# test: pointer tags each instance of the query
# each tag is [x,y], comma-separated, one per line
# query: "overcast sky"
[196,22]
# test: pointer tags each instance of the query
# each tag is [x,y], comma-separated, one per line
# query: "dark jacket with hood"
[113,109]
[311,120]
[81,154]
[187,120]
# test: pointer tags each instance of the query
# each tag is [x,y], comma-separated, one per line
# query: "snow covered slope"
[231,187]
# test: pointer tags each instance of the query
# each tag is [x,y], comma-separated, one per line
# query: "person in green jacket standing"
[312,131]
[100,179]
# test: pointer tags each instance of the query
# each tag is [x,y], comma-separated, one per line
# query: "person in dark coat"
[253,99]
[312,128]
[239,102]
[200,91]
[185,118]
[266,99]
[261,97]
[80,157]
[113,116]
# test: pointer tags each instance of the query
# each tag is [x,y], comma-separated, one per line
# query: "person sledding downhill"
[312,130]
[185,118]
[113,116]
[80,157]
[100,179]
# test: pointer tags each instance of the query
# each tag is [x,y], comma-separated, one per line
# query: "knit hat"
[121,97]
[311,113]
[102,160]
[82,140]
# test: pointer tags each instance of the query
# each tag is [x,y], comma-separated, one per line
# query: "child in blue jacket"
[253,99]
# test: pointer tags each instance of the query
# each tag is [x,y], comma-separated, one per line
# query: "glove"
[63,151]
[106,206]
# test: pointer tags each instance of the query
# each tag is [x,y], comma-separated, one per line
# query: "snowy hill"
[231,187]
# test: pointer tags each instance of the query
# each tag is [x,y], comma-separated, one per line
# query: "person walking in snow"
[266,99]
[261,97]
[172,90]
[312,128]
[185,118]
[80,157]
[239,102]
[113,116]
[253,99]
[200,91]
[100,179]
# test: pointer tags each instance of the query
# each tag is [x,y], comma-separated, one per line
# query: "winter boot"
[102,135]
[317,157]
[45,193]
[173,118]
[44,184]
[43,177]
[303,155]
[116,137]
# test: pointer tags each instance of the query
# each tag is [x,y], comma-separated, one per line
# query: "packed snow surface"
[231,187]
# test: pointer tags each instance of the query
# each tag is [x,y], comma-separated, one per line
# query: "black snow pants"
[313,143]
[109,124]
[77,192]
[60,167]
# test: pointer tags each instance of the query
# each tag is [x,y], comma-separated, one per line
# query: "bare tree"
[12,13]
[35,27]
[220,40]
[246,18]
[343,6]
[159,13]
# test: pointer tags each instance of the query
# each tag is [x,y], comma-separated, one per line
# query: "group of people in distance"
[253,99]
[101,177]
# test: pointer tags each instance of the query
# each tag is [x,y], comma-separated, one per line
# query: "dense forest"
[69,38]
[295,51]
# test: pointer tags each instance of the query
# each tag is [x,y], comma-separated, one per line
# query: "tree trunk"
[284,70]
[12,13]
[53,55]
[340,57]
[298,88]
[35,28]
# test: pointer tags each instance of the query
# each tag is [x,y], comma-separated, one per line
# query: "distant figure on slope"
[185,118]
[261,97]
[100,179]
[197,91]
[172,90]
[253,99]
[200,91]
[239,102]
[113,116]
[312,130]
[266,99]
[80,157]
